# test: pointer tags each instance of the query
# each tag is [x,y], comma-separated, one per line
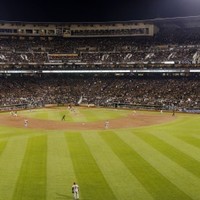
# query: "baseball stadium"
[113,107]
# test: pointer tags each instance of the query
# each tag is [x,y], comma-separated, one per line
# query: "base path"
[136,120]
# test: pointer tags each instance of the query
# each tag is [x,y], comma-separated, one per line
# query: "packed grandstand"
[152,64]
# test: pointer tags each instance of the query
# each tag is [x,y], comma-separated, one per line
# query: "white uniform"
[75,191]
[106,124]
[25,123]
[15,114]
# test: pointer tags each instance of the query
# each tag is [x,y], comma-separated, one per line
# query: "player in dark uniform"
[173,112]
[63,118]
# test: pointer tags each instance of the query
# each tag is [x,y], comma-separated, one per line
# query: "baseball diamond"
[157,154]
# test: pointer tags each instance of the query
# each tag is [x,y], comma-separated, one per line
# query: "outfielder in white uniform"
[75,191]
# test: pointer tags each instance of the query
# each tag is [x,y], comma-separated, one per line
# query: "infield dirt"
[134,120]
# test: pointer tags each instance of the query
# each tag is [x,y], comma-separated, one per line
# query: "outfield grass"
[160,162]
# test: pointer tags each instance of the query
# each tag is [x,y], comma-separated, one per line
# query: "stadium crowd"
[181,47]
[102,91]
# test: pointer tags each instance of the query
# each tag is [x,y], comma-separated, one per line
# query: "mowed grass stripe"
[7,132]
[17,133]
[138,161]
[47,114]
[195,141]
[31,183]
[89,114]
[196,136]
[73,115]
[2,146]
[10,164]
[55,114]
[11,135]
[172,153]
[41,114]
[94,114]
[180,143]
[120,179]
[60,171]
[182,179]
[78,115]
[89,177]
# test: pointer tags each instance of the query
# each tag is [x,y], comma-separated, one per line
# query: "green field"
[159,162]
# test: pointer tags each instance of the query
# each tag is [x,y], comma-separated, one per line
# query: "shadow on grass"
[64,196]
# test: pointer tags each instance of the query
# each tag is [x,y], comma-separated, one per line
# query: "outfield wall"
[7,108]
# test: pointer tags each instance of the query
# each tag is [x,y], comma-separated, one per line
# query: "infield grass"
[158,162]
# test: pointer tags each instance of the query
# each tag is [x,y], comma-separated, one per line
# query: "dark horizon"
[96,11]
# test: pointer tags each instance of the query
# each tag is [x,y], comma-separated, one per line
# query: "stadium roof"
[179,22]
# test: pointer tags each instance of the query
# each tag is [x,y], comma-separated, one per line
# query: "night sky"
[95,11]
